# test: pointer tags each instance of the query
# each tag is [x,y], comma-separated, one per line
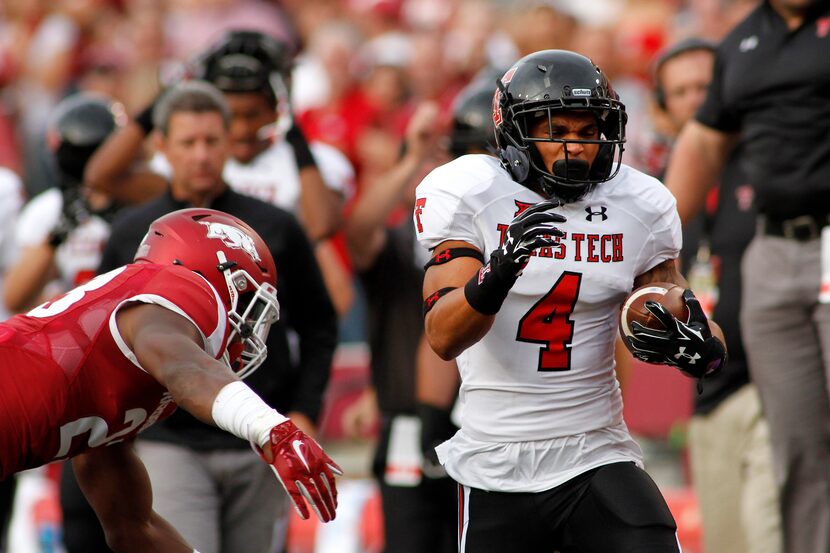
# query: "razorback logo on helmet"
[232,237]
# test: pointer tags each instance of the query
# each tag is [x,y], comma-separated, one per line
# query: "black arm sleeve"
[310,313]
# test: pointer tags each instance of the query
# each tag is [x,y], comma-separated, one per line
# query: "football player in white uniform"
[59,233]
[270,159]
[533,255]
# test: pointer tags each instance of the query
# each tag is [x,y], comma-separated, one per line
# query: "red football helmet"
[233,258]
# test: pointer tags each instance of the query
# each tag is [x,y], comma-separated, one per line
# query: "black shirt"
[773,86]
[729,231]
[305,308]
[393,287]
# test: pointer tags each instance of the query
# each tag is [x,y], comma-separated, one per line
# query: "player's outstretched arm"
[169,347]
[117,487]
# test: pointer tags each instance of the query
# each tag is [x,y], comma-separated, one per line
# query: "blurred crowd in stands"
[361,66]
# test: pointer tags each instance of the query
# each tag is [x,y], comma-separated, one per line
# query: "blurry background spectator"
[776,130]
[731,459]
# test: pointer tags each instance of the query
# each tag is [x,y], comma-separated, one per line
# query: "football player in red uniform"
[85,373]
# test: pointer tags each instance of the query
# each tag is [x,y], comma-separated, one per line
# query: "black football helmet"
[472,120]
[79,124]
[551,81]
[247,61]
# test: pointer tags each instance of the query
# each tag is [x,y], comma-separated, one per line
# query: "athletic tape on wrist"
[240,411]
[487,290]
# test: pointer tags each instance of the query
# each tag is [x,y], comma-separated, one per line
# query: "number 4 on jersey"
[549,323]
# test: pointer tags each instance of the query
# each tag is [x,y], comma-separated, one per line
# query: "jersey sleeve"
[441,212]
[665,238]
[37,218]
[11,200]
[184,292]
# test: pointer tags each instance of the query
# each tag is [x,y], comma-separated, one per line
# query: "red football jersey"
[68,382]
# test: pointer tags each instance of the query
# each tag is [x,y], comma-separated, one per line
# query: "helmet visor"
[251,321]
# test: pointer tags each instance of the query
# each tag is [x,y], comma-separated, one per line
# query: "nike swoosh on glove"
[688,346]
[304,470]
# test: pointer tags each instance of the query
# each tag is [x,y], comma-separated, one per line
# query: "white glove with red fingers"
[304,470]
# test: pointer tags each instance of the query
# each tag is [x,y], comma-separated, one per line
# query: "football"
[634,309]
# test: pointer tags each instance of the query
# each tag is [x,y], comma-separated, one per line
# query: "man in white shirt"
[60,232]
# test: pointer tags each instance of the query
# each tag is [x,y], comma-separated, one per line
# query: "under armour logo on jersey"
[601,212]
[681,352]
[232,237]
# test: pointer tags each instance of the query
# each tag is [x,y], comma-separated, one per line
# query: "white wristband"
[241,412]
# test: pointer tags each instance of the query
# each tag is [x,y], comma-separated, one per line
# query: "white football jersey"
[272,176]
[78,257]
[11,200]
[545,370]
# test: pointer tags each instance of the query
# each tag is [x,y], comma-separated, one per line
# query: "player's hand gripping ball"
[669,295]
[662,323]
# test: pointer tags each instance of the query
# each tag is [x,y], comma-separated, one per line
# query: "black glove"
[532,229]
[688,346]
[302,151]
[436,428]
[144,118]
[75,210]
